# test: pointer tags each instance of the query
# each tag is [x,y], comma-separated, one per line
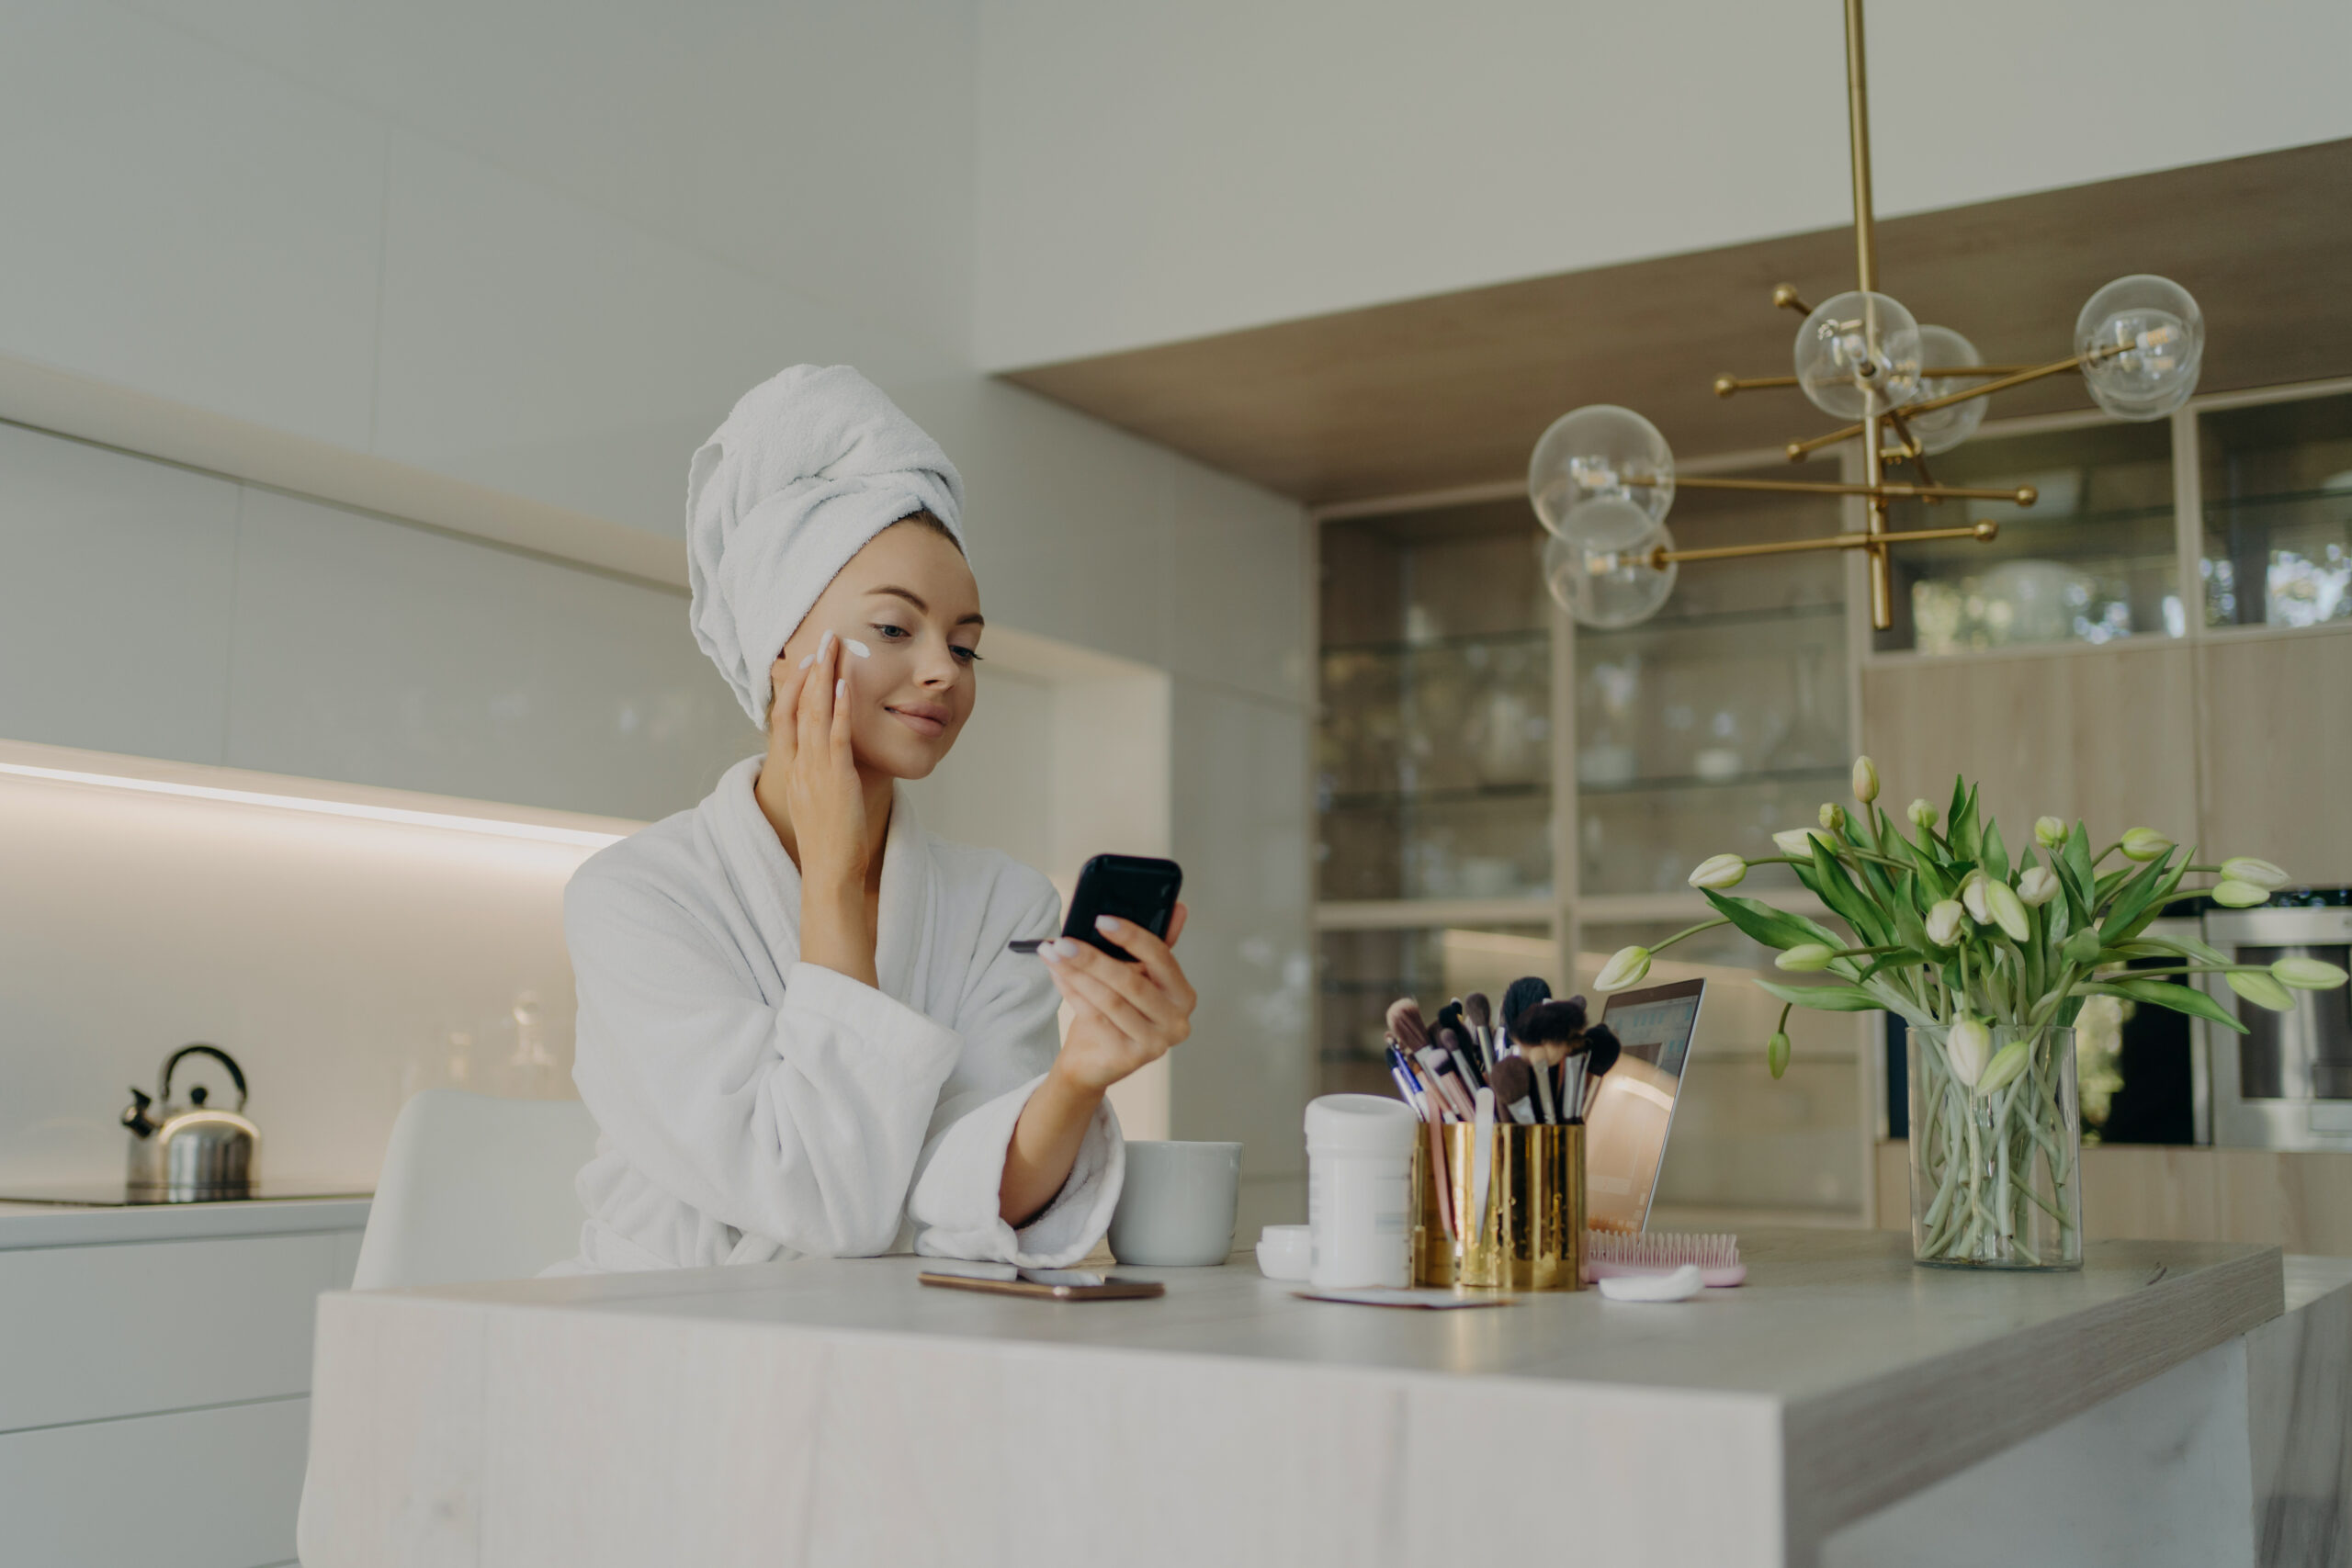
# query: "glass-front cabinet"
[1501,793]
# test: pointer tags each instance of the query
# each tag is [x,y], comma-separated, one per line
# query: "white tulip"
[1972,897]
[2007,1064]
[2144,843]
[2050,833]
[1922,813]
[1806,957]
[1832,817]
[2308,974]
[1719,870]
[2257,873]
[1943,922]
[2037,887]
[1865,780]
[1969,1046]
[2008,909]
[2232,894]
[1797,842]
[1625,967]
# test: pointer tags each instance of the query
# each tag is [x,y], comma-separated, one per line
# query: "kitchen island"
[834,1412]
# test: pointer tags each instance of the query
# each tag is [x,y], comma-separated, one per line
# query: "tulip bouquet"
[1989,957]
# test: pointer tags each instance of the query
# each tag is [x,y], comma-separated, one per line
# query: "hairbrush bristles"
[1611,1254]
[1405,1025]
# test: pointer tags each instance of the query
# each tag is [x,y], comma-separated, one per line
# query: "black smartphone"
[1133,887]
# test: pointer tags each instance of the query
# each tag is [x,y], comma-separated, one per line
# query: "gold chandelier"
[1602,477]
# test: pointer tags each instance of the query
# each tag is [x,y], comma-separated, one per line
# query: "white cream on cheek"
[857,648]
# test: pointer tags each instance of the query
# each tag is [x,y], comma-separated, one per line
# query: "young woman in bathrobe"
[801,1028]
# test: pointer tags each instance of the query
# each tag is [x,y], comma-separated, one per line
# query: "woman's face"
[909,600]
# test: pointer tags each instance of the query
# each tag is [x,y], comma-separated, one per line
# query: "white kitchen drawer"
[104,1331]
[197,1489]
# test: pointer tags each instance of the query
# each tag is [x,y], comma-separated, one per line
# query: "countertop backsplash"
[344,964]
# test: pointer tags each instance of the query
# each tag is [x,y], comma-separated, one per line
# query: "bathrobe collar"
[769,883]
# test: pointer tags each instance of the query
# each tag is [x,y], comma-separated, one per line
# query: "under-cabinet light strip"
[491,825]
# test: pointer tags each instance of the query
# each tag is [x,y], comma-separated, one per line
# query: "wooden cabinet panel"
[2106,735]
[197,1489]
[107,1331]
[2278,732]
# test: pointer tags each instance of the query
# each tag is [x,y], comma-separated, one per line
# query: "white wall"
[1151,173]
[542,247]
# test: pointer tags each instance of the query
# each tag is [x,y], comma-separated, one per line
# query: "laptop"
[1632,1109]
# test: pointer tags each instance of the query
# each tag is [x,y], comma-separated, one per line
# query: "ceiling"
[1454,389]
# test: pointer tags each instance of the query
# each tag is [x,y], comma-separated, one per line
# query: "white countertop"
[600,1417]
[48,1224]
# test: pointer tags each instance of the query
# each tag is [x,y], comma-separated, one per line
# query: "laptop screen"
[1633,1110]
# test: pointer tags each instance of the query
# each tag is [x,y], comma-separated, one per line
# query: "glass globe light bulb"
[2143,340]
[1600,452]
[1941,430]
[1599,568]
[1859,354]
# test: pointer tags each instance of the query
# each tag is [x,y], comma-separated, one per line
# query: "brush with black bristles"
[1547,1033]
[1601,1050]
[1479,1014]
[1519,995]
[1465,1060]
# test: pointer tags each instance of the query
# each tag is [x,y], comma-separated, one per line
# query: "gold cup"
[1530,1234]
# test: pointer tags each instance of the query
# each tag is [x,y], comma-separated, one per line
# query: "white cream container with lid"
[1359,1190]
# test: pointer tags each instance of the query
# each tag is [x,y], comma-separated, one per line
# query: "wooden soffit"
[1452,389]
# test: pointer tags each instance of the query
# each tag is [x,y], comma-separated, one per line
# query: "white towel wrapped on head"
[811,464]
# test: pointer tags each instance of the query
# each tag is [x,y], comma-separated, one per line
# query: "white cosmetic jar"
[1359,1190]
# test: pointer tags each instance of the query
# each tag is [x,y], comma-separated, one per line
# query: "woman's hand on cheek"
[1123,1016]
[809,750]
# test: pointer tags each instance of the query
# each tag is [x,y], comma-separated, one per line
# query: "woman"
[800,1029]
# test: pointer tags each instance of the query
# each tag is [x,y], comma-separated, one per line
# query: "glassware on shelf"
[2095,557]
[2278,514]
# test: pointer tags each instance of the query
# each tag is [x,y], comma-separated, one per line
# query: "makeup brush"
[1450,1040]
[1479,1014]
[1407,1089]
[1601,1051]
[1406,1028]
[1546,1031]
[1519,995]
[1482,1161]
[1439,1073]
[1449,1017]
[1514,1082]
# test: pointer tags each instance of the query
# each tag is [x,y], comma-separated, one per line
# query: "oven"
[2287,1082]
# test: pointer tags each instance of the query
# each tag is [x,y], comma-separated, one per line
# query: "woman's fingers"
[816,711]
[1131,982]
[1176,924]
[1151,955]
[1076,982]
[785,683]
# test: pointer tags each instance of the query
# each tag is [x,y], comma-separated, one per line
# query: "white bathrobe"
[753,1106]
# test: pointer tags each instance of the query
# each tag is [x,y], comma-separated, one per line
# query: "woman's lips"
[926,719]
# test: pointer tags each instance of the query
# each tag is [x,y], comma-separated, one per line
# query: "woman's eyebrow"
[911,597]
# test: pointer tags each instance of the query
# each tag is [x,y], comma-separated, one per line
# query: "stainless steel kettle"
[193,1152]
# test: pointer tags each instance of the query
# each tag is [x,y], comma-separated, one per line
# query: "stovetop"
[118,1195]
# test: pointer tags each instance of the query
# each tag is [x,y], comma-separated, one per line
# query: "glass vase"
[1996,1178]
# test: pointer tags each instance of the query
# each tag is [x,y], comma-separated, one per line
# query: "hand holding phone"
[1131,887]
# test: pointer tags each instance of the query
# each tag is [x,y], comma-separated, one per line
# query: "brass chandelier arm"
[1727,385]
[1798,449]
[2023,495]
[1785,297]
[1985,529]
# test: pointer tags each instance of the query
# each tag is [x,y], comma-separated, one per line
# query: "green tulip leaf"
[1825,998]
[2165,993]
[1773,928]
[1996,853]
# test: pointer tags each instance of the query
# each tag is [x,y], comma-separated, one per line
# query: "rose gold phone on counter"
[1053,1284]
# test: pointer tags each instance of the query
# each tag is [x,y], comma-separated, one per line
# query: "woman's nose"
[940,667]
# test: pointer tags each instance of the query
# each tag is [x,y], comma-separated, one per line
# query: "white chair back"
[476,1188]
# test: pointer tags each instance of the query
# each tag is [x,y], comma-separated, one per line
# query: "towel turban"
[810,465]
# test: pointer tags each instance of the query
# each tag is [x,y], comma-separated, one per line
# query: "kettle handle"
[236,1073]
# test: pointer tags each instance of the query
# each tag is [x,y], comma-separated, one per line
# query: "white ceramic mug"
[1176,1207]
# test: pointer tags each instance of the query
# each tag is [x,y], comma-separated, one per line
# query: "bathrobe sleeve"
[800,1122]
[1009,1017]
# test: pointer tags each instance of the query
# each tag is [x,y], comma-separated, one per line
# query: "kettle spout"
[135,1117]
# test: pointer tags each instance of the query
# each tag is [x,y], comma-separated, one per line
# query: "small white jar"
[1359,1190]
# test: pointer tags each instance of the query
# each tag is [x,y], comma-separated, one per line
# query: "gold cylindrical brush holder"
[1529,1234]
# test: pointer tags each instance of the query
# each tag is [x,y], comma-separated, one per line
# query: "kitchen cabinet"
[154,1405]
[2276,748]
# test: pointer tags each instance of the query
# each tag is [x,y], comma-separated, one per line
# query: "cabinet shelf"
[1758,779]
[1667,625]
[1399,648]
[1396,799]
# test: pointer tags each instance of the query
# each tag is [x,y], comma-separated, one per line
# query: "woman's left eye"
[965,654]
